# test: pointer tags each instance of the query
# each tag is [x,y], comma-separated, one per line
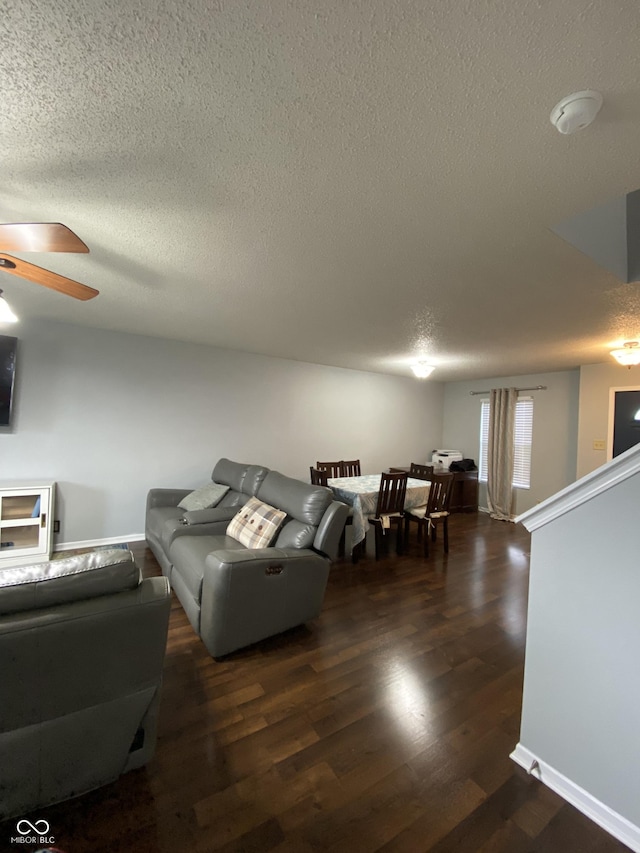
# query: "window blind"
[523,436]
[484,440]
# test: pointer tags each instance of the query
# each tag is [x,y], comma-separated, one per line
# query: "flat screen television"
[8,348]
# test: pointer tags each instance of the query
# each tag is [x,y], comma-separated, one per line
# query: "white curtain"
[502,413]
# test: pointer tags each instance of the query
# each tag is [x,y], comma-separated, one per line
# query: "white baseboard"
[611,821]
[91,543]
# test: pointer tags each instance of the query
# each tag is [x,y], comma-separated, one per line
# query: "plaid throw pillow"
[256,524]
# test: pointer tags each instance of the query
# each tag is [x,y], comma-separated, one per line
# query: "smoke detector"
[576,111]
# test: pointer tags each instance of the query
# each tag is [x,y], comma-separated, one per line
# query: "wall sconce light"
[629,355]
[422,370]
[6,314]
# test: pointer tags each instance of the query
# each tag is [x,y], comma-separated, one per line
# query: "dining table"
[361,493]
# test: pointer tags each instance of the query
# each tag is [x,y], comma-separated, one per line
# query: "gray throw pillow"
[204,497]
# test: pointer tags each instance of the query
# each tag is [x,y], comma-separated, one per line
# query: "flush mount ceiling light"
[576,111]
[6,314]
[422,370]
[629,355]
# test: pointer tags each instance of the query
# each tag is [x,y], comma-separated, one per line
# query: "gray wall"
[110,415]
[555,422]
[581,686]
[601,233]
[596,380]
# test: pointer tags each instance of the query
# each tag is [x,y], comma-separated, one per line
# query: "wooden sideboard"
[465,489]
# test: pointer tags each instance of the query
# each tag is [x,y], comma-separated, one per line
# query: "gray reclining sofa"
[234,595]
[82,645]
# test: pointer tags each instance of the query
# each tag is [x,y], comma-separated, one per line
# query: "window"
[523,433]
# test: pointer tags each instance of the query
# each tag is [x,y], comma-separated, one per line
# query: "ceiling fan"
[42,237]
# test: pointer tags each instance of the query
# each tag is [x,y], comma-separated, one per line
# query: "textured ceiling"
[352,182]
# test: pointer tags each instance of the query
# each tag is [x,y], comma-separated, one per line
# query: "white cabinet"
[26,523]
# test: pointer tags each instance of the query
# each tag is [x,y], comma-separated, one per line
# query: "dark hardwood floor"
[384,726]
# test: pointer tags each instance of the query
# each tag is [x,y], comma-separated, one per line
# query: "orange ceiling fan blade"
[39,237]
[46,278]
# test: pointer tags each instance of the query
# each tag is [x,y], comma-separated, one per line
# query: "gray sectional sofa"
[234,595]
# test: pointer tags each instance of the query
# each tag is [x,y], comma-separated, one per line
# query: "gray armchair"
[82,644]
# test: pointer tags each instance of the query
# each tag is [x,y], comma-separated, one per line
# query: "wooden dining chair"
[435,512]
[420,472]
[318,477]
[333,469]
[350,468]
[393,490]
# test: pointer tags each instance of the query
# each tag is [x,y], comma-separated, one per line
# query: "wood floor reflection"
[386,725]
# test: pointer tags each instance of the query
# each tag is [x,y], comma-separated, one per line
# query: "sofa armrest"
[165,497]
[210,515]
[260,557]
[330,529]
[250,594]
